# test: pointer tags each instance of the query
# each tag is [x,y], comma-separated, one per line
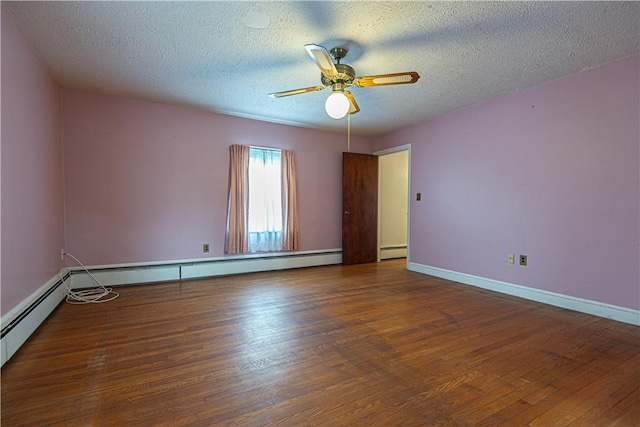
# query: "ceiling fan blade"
[296,91]
[387,79]
[323,60]
[353,105]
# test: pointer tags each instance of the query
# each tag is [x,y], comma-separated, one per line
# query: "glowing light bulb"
[337,105]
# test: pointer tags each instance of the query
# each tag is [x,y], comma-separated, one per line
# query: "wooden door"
[359,208]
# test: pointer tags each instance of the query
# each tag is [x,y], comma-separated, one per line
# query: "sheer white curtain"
[265,200]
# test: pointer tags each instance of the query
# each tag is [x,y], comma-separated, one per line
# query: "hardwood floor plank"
[369,344]
[584,398]
[622,401]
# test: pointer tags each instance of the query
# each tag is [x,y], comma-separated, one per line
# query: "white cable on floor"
[88,296]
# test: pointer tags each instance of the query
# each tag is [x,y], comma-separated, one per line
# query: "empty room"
[320,213]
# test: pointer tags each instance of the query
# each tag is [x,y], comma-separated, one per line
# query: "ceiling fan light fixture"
[337,105]
[341,76]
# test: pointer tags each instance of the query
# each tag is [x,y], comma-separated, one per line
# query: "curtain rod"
[265,148]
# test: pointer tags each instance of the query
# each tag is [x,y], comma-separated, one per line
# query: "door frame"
[405,147]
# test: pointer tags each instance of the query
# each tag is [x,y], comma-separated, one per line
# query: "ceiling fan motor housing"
[346,75]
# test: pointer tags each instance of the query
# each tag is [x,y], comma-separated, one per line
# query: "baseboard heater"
[21,322]
[200,269]
[389,252]
[31,307]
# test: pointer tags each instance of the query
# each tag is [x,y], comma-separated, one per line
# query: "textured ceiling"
[227,56]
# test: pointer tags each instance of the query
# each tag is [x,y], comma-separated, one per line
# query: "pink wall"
[148,181]
[551,172]
[32,188]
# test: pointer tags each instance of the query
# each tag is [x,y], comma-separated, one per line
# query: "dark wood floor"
[371,345]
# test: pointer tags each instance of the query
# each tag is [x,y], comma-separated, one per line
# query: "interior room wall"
[551,172]
[32,187]
[148,182]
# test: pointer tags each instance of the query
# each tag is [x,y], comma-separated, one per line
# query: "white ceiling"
[203,54]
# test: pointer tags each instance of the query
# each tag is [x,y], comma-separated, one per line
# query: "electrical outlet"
[510,258]
[205,247]
[523,260]
[418,196]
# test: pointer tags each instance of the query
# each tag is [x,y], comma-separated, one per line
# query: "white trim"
[16,311]
[33,316]
[4,355]
[379,207]
[391,150]
[38,306]
[130,274]
[219,258]
[227,267]
[595,308]
[393,252]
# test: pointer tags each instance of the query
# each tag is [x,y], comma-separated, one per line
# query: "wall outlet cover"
[523,260]
[510,258]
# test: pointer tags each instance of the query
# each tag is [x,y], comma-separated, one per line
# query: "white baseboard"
[620,314]
[393,252]
[252,265]
[20,322]
[124,274]
[23,320]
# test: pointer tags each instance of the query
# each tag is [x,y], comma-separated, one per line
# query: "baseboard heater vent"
[199,269]
[27,311]
[389,252]
[23,320]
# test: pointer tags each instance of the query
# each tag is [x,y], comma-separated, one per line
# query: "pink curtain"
[290,233]
[237,236]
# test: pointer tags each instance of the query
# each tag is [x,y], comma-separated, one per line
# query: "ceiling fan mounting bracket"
[338,53]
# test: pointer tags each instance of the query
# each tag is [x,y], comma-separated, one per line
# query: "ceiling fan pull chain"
[348,133]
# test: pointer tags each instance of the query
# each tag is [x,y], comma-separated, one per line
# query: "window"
[262,214]
[265,200]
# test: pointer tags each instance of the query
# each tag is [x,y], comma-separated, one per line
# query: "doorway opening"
[394,183]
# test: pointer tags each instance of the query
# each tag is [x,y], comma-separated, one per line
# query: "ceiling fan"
[339,76]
